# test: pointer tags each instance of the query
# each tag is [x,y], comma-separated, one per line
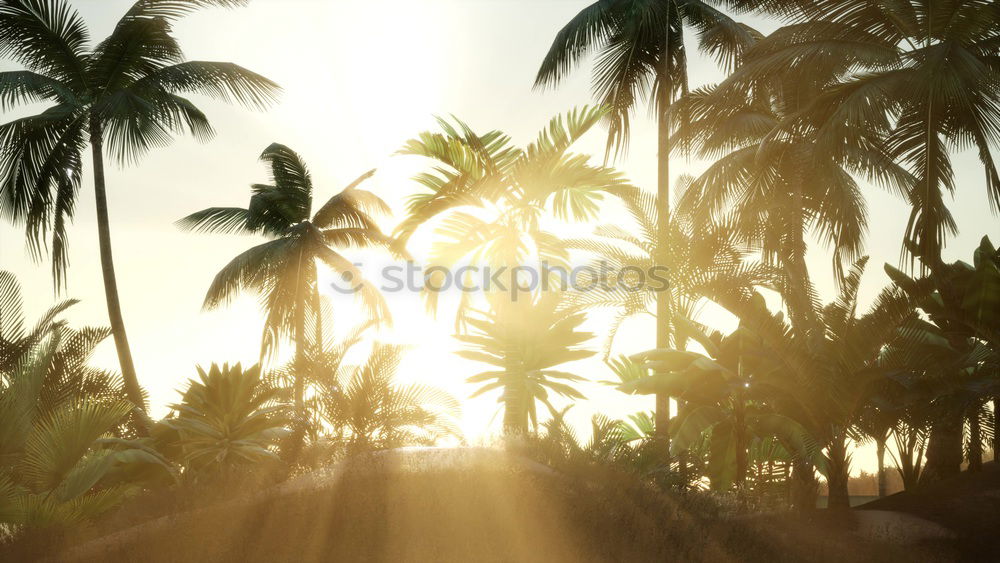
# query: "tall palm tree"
[525,339]
[921,72]
[123,96]
[283,270]
[775,184]
[642,54]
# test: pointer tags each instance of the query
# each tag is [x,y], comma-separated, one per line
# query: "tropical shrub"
[229,418]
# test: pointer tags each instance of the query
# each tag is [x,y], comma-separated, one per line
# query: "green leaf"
[690,427]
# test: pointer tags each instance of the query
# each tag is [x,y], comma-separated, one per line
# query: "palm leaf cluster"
[230,417]
[525,341]
[284,270]
[64,452]
[365,408]
[494,197]
[918,75]
[705,259]
[641,52]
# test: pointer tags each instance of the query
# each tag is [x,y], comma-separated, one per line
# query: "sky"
[360,77]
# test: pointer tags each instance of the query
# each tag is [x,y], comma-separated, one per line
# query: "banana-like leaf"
[690,426]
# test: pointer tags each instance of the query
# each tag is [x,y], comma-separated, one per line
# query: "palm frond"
[47,37]
[577,39]
[217,220]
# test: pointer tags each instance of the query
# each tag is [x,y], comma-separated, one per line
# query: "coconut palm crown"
[123,97]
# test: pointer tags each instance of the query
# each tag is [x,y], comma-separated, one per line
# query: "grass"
[373,510]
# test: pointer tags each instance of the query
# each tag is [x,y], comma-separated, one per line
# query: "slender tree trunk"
[292,453]
[796,271]
[108,270]
[317,305]
[515,406]
[663,297]
[880,454]
[803,486]
[741,443]
[996,427]
[975,442]
[300,358]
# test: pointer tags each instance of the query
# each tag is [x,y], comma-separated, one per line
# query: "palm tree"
[525,339]
[229,417]
[732,392]
[954,350]
[910,436]
[368,410]
[326,355]
[775,184]
[876,423]
[493,196]
[283,270]
[820,375]
[922,74]
[123,96]
[641,54]
[705,258]
[854,353]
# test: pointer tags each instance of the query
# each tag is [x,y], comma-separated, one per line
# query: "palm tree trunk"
[802,486]
[293,447]
[996,427]
[741,442]
[515,406]
[796,270]
[838,495]
[880,454]
[297,437]
[300,358]
[944,448]
[975,442]
[319,322]
[108,270]
[663,298]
